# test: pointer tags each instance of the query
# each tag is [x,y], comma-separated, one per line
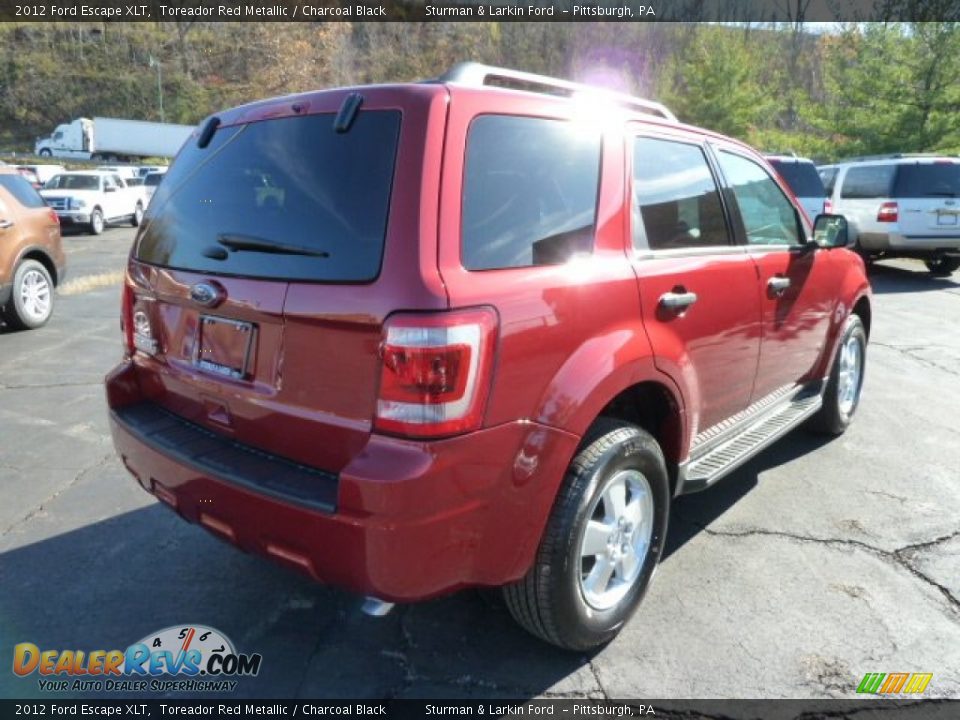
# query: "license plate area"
[947,218]
[224,347]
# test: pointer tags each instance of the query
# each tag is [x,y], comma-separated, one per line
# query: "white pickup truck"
[93,199]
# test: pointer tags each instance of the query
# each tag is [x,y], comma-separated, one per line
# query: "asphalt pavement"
[817,562]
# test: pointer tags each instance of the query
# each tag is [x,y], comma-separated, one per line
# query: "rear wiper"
[237,242]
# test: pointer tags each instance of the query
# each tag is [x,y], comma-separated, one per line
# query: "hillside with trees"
[858,89]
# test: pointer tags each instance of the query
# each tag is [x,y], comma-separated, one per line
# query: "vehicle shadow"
[892,279]
[108,584]
[693,513]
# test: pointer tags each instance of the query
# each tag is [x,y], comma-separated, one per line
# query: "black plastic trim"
[228,460]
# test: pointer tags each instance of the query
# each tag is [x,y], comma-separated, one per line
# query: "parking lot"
[815,563]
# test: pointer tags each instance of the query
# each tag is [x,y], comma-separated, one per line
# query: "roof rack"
[892,156]
[478,75]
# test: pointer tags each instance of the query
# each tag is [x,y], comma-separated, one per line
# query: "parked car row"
[896,205]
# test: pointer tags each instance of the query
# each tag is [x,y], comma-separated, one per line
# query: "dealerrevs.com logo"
[179,658]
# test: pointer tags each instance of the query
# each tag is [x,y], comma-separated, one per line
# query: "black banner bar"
[479,10]
[867,709]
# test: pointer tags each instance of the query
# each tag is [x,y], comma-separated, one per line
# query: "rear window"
[73,182]
[529,192]
[868,181]
[928,180]
[802,178]
[22,191]
[288,199]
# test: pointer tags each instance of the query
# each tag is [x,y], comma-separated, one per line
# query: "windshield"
[309,203]
[940,179]
[802,178]
[73,182]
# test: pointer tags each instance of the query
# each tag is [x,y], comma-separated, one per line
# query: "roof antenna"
[206,135]
[348,112]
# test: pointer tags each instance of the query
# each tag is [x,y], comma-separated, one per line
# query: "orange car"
[32,262]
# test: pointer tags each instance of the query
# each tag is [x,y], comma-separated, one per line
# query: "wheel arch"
[35,252]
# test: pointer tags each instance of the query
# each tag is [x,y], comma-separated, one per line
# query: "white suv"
[900,206]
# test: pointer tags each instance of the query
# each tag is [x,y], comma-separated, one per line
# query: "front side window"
[529,192]
[73,182]
[769,218]
[675,199]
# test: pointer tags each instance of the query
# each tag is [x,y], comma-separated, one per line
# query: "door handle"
[778,285]
[677,300]
[4,224]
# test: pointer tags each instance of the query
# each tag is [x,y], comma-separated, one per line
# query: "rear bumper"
[908,243]
[73,218]
[407,521]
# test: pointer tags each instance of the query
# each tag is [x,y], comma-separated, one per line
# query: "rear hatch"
[928,193]
[263,273]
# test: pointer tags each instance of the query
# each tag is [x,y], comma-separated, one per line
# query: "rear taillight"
[888,212]
[435,372]
[827,207]
[126,320]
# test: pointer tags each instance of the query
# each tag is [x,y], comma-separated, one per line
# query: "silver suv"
[900,206]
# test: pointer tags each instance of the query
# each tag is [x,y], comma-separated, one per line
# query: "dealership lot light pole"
[156,63]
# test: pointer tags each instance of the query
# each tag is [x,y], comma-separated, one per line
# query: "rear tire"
[942,266]
[595,561]
[137,216]
[45,153]
[842,394]
[96,222]
[31,300]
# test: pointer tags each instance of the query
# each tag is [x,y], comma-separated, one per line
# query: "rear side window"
[802,178]
[829,178]
[287,198]
[153,179]
[867,182]
[22,191]
[529,192]
[675,199]
[928,180]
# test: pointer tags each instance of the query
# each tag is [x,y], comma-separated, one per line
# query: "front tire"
[602,542]
[942,266]
[842,394]
[31,301]
[96,222]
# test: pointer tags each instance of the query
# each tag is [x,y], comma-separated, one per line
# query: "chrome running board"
[727,451]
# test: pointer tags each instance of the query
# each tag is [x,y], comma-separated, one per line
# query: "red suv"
[475,331]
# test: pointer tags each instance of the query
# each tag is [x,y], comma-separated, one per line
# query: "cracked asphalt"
[815,563]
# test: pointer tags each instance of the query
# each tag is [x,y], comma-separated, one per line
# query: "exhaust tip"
[375,607]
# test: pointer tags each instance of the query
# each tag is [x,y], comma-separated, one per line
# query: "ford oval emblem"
[207,294]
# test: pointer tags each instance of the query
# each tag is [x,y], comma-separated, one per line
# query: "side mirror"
[830,231]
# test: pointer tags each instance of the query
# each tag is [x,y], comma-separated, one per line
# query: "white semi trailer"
[113,139]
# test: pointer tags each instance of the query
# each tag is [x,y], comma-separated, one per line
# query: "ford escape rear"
[413,338]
